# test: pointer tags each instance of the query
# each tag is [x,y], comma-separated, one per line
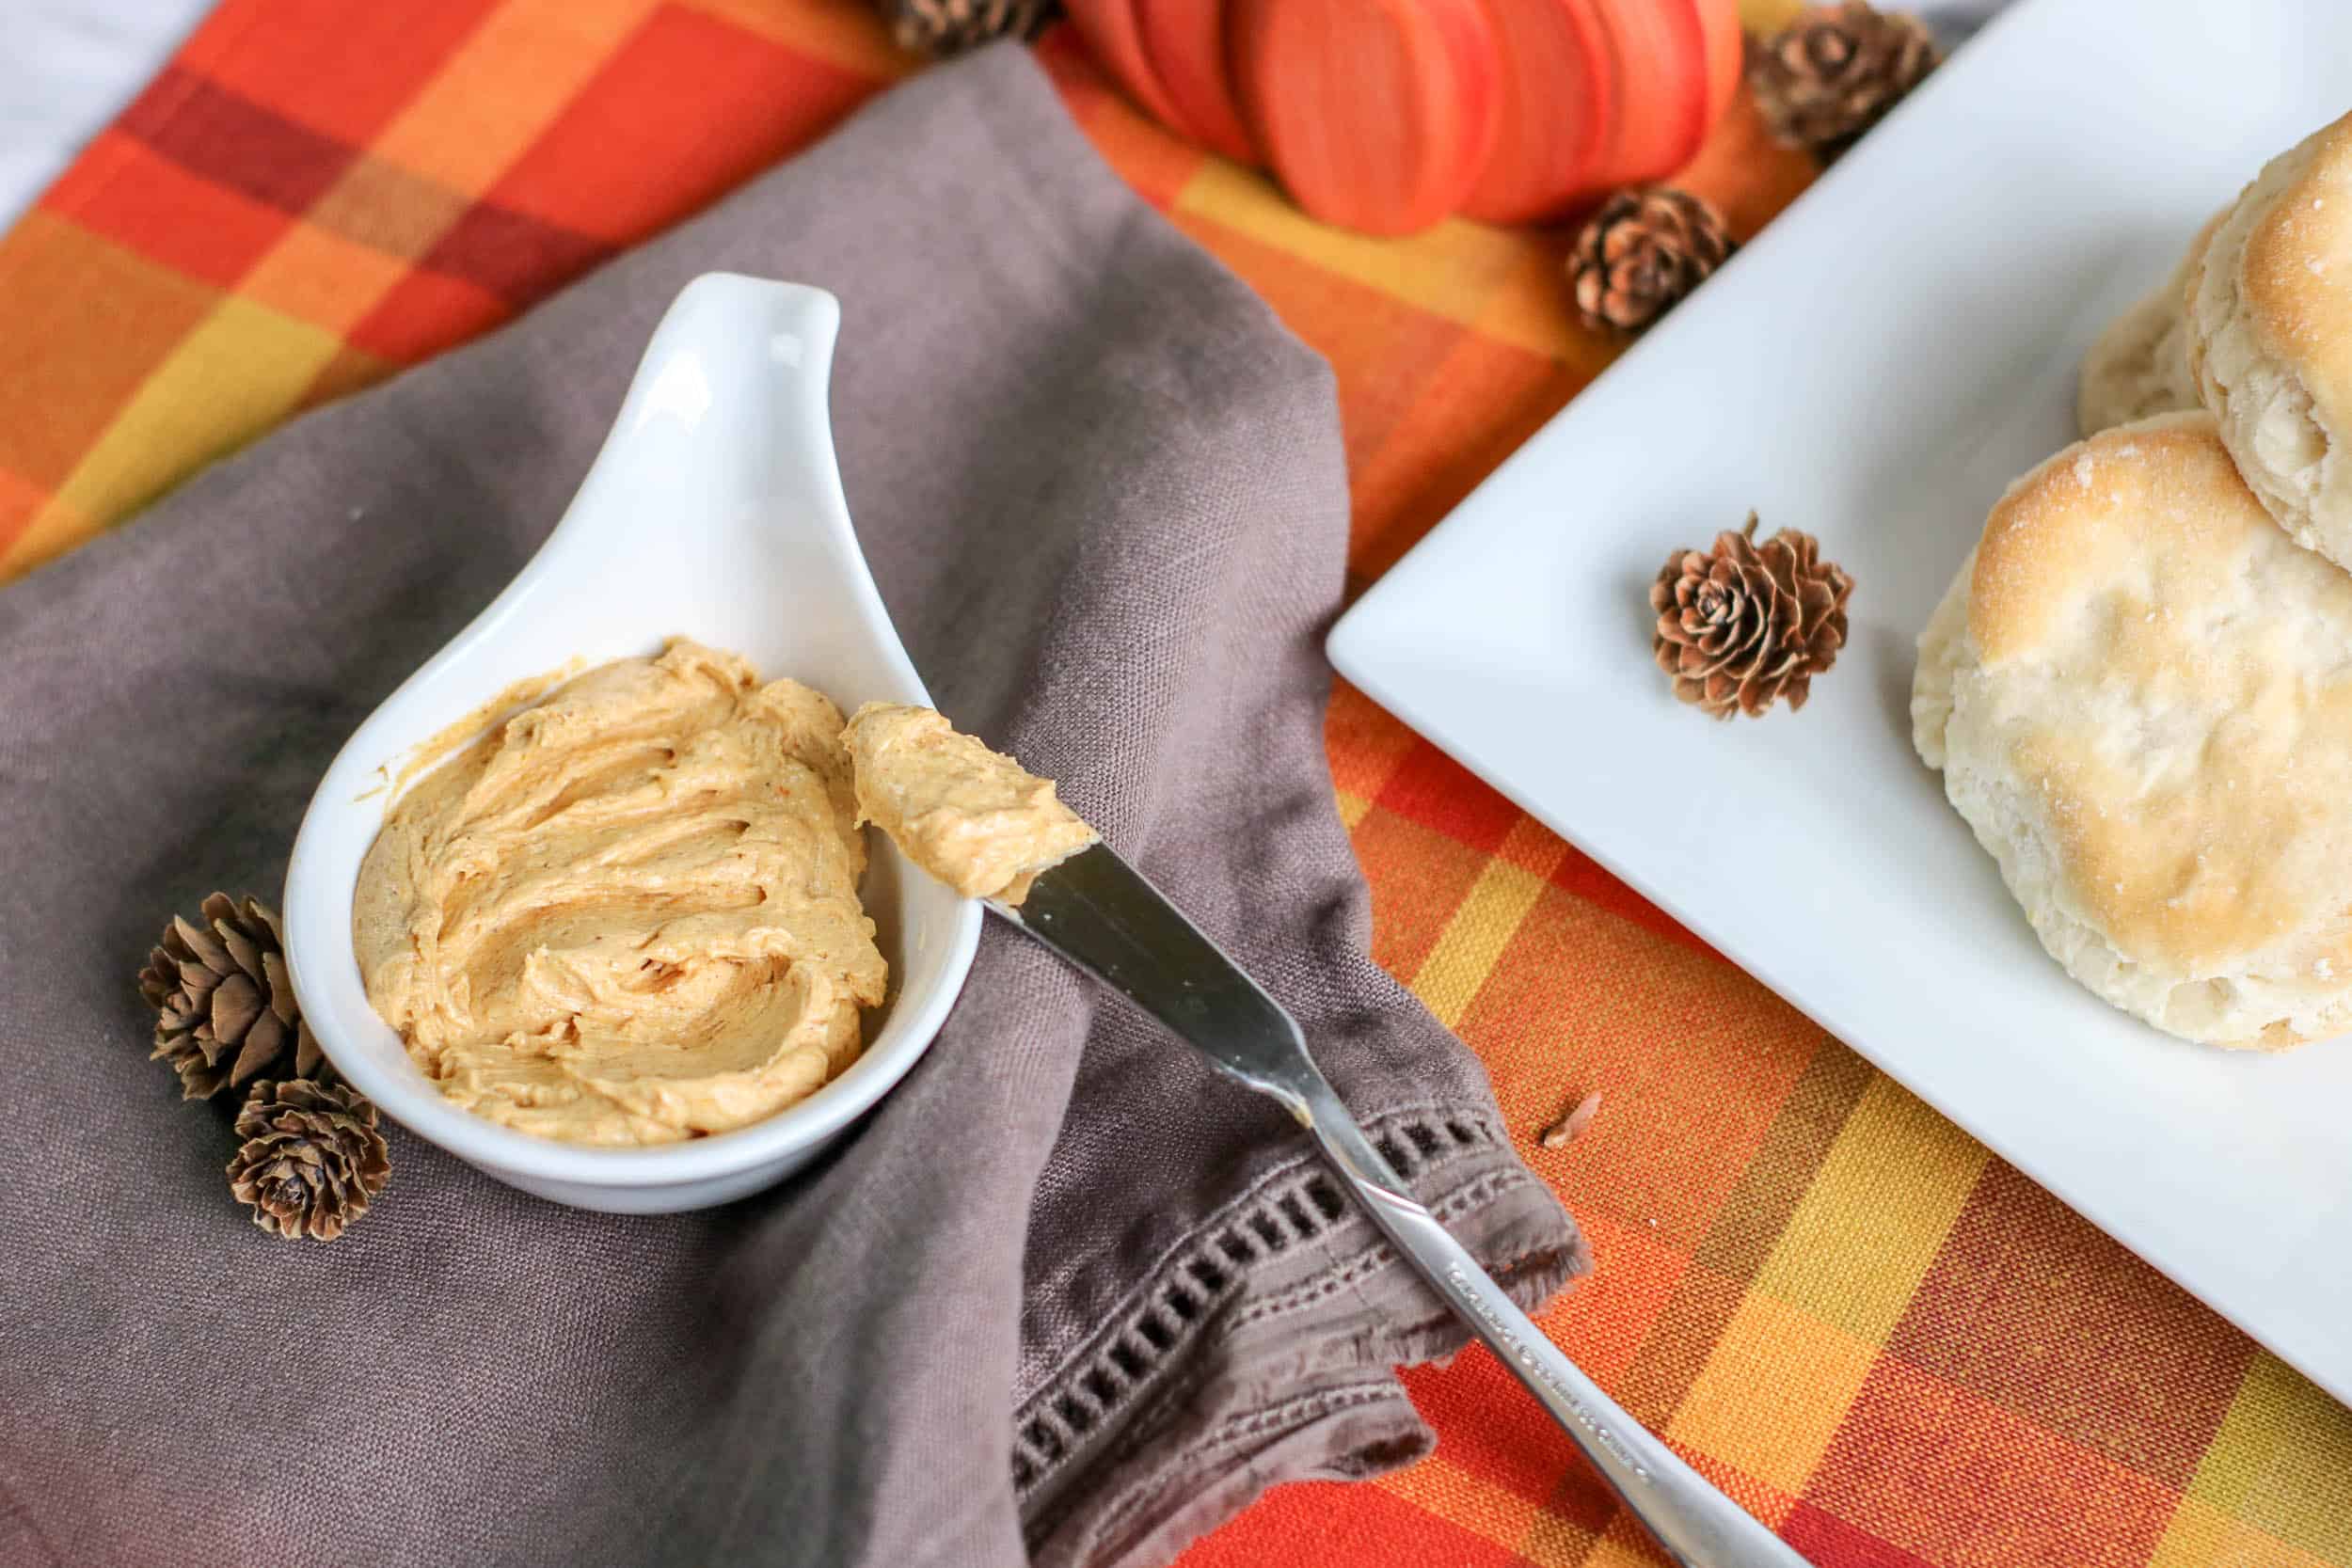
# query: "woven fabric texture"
[1883,1340]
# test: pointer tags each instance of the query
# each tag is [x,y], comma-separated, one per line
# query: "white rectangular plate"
[1874,368]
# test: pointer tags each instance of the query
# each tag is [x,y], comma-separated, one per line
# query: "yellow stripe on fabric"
[1474,939]
[1766,16]
[1438,1485]
[844,32]
[2282,1462]
[1772,1393]
[242,371]
[1453,270]
[1354,808]
[1554,1542]
[322,277]
[1531,307]
[58,526]
[2201,1535]
[1531,1532]
[1623,1545]
[1868,1227]
[1532,848]
[504,84]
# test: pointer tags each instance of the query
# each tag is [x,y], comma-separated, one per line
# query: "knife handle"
[1699,1527]
[1099,912]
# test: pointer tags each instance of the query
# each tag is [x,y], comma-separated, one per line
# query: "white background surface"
[1880,395]
[67,67]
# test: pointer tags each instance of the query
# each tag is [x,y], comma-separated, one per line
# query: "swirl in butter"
[628,914]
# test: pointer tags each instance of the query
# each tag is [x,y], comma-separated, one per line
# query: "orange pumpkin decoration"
[1390,114]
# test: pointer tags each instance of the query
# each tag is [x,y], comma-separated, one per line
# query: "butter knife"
[1100,913]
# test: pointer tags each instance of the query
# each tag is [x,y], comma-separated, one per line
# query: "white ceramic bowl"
[714,511]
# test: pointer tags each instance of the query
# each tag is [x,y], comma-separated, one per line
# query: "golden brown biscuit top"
[2295,276]
[2172,676]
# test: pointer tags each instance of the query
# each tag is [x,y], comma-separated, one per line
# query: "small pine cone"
[309,1158]
[1832,73]
[939,28]
[1745,624]
[1646,248]
[224,1001]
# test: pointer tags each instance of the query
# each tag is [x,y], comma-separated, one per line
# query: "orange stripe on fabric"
[63,378]
[342,68]
[1365,741]
[755,100]
[1419,878]
[241,370]
[1775,1178]
[1438,792]
[1467,1501]
[1468,409]
[502,85]
[324,279]
[848,35]
[1489,917]
[1692,1058]
[20,499]
[125,190]
[1745,1227]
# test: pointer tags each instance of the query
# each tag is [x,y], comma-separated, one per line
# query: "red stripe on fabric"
[342,69]
[123,189]
[1436,791]
[425,314]
[513,255]
[235,142]
[627,157]
[2120,1359]
[1488,1426]
[1318,1522]
[1947,1473]
[20,497]
[1577,873]
[1828,1542]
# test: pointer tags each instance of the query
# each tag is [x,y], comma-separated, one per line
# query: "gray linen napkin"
[1064,1297]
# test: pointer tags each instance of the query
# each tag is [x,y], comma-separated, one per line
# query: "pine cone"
[1744,624]
[309,1158]
[224,1000]
[1832,73]
[941,27]
[1646,248]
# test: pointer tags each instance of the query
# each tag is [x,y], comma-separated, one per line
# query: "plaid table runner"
[1885,1340]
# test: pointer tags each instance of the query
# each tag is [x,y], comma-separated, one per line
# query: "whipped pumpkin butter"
[972,817]
[628,914]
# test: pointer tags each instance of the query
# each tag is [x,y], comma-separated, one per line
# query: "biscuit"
[2139,693]
[2139,365]
[2270,337]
